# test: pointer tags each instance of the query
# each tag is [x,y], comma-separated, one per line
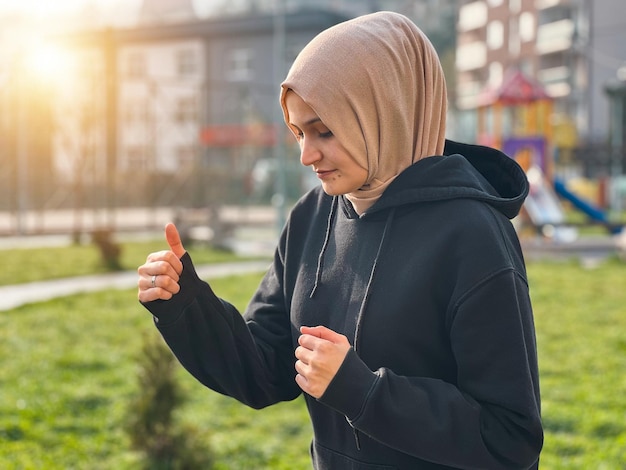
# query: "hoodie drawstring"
[318,275]
[320,259]
[366,296]
[359,320]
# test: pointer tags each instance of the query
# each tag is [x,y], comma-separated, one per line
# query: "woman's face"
[322,151]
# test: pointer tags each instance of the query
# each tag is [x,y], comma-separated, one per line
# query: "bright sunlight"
[49,62]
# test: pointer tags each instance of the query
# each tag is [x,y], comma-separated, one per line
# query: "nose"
[309,153]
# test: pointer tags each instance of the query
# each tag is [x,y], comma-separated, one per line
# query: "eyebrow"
[307,123]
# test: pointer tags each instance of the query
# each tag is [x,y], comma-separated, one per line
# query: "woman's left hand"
[320,354]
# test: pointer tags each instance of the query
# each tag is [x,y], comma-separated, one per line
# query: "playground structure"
[516,118]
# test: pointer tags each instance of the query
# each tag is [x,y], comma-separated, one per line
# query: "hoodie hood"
[465,171]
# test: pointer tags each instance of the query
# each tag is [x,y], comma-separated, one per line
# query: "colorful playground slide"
[542,204]
[579,203]
[544,207]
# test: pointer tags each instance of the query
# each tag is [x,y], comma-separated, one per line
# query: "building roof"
[164,11]
[239,25]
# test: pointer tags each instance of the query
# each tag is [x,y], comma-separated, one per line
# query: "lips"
[323,173]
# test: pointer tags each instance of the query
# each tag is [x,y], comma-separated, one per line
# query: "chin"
[338,190]
[332,191]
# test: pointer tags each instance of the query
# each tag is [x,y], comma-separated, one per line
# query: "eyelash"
[322,135]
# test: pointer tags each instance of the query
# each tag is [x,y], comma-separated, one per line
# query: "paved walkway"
[17,295]
[590,249]
[584,248]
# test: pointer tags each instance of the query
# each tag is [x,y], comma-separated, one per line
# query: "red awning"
[235,135]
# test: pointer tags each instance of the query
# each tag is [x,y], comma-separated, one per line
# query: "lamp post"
[617,95]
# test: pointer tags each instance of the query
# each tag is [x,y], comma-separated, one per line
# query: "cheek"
[363,176]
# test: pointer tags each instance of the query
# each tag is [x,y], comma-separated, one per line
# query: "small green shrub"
[152,427]
[110,251]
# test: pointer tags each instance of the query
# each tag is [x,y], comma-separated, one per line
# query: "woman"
[397,300]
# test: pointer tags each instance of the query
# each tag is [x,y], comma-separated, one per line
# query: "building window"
[554,60]
[472,16]
[186,155]
[526,27]
[137,157]
[550,15]
[187,63]
[239,66]
[136,65]
[135,112]
[495,35]
[515,6]
[471,56]
[186,110]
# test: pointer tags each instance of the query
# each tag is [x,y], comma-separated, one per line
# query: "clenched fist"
[320,353]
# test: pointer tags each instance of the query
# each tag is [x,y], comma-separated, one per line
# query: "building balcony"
[471,56]
[472,16]
[467,94]
[556,80]
[555,37]
[544,4]
[554,74]
[558,89]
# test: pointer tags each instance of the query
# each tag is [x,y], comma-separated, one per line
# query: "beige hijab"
[376,82]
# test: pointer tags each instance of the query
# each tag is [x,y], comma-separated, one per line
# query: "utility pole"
[22,103]
[110,60]
[22,158]
[279,199]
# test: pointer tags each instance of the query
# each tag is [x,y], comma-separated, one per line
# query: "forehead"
[299,111]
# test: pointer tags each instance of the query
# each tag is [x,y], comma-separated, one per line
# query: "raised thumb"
[173,240]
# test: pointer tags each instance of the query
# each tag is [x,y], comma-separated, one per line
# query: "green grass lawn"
[36,264]
[69,372]
[580,318]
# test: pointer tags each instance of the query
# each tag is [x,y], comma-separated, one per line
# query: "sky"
[39,7]
[62,7]
[102,12]
[52,14]
[24,24]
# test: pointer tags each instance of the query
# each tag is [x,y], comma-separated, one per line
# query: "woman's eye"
[326,135]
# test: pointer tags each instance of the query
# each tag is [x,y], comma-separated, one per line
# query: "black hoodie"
[430,288]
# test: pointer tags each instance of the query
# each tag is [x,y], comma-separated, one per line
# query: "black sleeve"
[250,360]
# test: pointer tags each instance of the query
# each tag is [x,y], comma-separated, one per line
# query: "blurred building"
[190,106]
[166,11]
[168,102]
[572,47]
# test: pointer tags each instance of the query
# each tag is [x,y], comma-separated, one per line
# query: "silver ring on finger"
[154,281]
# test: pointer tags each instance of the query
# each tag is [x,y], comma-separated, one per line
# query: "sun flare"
[48,63]
[48,60]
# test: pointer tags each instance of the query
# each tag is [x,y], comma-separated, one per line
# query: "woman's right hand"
[159,275]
